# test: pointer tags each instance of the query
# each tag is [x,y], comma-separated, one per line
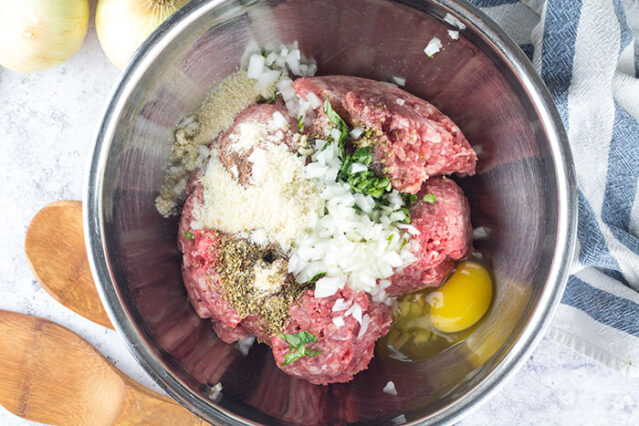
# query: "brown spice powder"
[238,260]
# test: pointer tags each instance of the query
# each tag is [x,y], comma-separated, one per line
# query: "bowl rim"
[531,332]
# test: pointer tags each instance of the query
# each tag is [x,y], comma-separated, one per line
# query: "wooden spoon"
[56,252]
[51,375]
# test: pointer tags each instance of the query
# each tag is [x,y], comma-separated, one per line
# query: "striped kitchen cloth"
[587,52]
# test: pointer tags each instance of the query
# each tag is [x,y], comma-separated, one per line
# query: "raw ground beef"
[415,139]
[253,115]
[344,354]
[445,235]
[201,279]
[415,143]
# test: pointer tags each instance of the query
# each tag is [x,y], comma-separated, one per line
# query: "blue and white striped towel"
[587,54]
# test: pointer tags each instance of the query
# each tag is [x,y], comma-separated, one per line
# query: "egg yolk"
[462,300]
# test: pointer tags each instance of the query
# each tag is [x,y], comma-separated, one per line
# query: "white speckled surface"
[46,129]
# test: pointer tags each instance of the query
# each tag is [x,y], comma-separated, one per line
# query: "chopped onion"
[245,344]
[452,20]
[314,100]
[357,168]
[203,150]
[328,286]
[267,79]
[400,101]
[390,388]
[355,311]
[338,321]
[453,34]
[400,81]
[434,46]
[341,305]
[366,319]
[255,66]
[356,132]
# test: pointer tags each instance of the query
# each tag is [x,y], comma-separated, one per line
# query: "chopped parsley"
[390,239]
[429,198]
[315,278]
[300,123]
[188,235]
[270,100]
[407,213]
[365,182]
[341,126]
[408,199]
[297,346]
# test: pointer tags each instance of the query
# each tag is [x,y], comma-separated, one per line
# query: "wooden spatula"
[55,249]
[51,375]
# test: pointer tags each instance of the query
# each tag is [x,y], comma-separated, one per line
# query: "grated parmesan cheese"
[281,202]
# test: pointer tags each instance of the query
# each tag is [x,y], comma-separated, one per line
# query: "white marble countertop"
[47,121]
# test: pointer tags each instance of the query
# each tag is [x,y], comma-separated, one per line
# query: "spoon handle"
[51,375]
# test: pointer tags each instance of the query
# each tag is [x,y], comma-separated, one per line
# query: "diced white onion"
[434,46]
[366,319]
[314,100]
[356,132]
[400,101]
[390,388]
[341,305]
[328,286]
[452,20]
[453,34]
[267,79]
[203,150]
[255,66]
[245,344]
[357,168]
[355,311]
[338,321]
[400,81]
[480,233]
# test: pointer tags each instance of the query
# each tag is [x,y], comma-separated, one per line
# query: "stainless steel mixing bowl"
[523,193]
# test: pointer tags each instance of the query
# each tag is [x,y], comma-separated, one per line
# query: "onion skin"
[36,35]
[122,25]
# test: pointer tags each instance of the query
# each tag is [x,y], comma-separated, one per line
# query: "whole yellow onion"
[38,34]
[123,25]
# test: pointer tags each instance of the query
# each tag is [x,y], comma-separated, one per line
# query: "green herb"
[408,199]
[263,51]
[365,182]
[368,133]
[389,239]
[270,100]
[315,278]
[429,198]
[341,126]
[404,242]
[405,211]
[297,346]
[188,235]
[300,123]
